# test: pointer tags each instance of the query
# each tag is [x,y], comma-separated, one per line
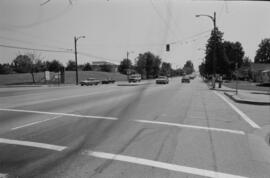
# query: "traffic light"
[167,47]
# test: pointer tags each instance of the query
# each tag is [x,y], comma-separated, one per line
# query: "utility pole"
[76,62]
[213,18]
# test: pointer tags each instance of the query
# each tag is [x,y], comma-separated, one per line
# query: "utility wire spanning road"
[175,130]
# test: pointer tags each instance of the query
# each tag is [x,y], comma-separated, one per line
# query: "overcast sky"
[113,27]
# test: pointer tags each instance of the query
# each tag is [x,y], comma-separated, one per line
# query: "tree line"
[225,57]
[32,63]
[151,66]
[148,65]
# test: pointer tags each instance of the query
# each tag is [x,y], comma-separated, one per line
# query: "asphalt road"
[175,130]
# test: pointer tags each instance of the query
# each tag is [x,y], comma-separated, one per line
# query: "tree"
[235,54]
[29,63]
[71,66]
[125,66]
[216,60]
[22,64]
[6,68]
[188,67]
[87,67]
[202,69]
[246,61]
[166,69]
[148,65]
[263,53]
[54,66]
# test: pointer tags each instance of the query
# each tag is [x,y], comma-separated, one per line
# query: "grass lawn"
[245,85]
[22,79]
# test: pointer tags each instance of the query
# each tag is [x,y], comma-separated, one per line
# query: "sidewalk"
[247,96]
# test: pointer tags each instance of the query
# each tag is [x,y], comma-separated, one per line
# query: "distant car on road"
[162,80]
[134,78]
[108,81]
[90,81]
[185,79]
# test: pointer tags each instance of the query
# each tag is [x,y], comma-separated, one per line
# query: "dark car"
[162,80]
[108,81]
[185,79]
[90,81]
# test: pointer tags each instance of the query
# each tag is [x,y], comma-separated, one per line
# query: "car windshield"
[134,89]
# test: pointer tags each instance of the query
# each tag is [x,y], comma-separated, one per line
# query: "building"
[253,72]
[97,65]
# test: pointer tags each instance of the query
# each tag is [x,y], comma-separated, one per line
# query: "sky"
[114,27]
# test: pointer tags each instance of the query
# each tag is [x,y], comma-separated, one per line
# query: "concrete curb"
[238,100]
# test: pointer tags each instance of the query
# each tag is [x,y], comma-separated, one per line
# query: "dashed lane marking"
[162,165]
[58,114]
[34,123]
[192,126]
[243,115]
[32,144]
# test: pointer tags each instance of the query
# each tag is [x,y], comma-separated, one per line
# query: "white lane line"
[58,114]
[32,144]
[192,126]
[243,115]
[162,165]
[3,175]
[34,123]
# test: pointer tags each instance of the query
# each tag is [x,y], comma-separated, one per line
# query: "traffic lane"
[29,134]
[194,104]
[134,141]
[15,91]
[48,134]
[51,94]
[140,132]
[11,119]
[201,149]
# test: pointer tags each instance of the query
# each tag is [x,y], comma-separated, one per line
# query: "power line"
[190,37]
[67,51]
[36,49]
[28,42]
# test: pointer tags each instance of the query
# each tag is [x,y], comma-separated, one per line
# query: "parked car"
[108,81]
[162,80]
[134,78]
[185,79]
[90,81]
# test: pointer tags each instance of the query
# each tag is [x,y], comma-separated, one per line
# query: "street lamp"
[213,18]
[76,63]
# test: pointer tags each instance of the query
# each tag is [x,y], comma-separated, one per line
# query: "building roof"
[102,63]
